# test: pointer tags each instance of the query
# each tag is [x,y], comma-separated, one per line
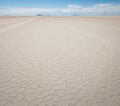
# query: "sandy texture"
[60,61]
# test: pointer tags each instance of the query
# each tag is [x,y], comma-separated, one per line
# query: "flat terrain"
[59,61]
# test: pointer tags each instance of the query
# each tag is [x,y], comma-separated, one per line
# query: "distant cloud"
[98,9]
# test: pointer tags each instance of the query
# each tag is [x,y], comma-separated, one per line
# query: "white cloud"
[71,9]
[110,8]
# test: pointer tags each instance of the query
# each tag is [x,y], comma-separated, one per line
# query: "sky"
[60,7]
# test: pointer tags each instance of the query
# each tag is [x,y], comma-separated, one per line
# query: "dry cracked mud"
[60,61]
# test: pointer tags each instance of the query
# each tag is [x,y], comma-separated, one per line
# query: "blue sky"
[52,3]
[60,7]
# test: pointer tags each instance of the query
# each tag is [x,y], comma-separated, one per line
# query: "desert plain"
[59,61]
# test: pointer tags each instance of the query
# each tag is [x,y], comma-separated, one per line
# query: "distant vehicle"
[39,15]
[75,15]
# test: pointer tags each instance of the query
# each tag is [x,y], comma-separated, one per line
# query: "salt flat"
[59,61]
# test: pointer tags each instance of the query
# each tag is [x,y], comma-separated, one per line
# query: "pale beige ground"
[60,61]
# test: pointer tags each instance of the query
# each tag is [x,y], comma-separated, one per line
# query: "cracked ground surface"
[60,61]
